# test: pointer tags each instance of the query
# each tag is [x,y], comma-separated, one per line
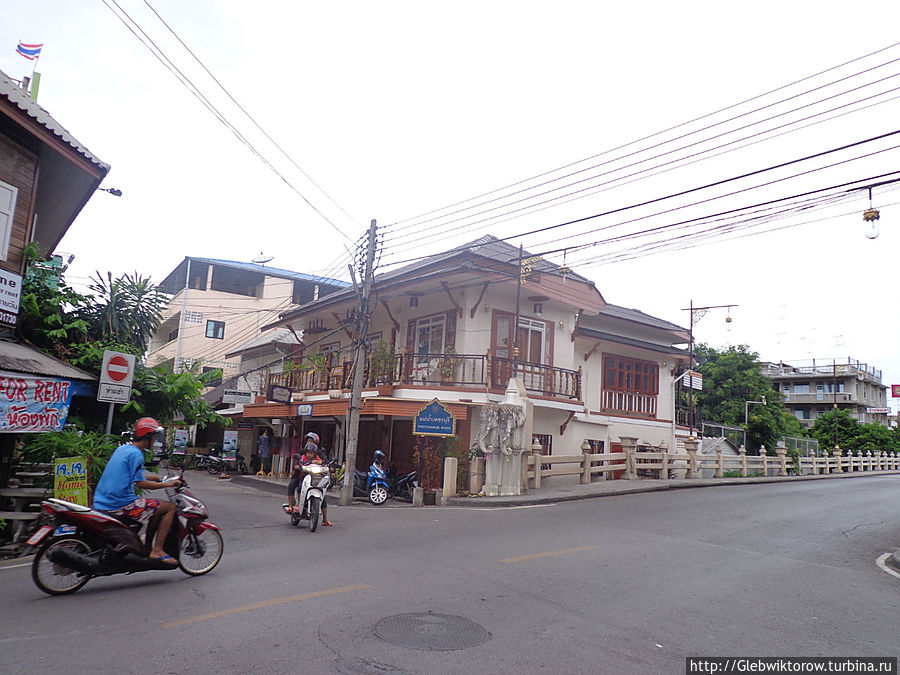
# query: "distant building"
[813,388]
[219,306]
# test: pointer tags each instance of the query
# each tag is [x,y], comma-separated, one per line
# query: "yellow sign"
[70,480]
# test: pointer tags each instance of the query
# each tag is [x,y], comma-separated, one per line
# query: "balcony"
[826,397]
[446,371]
[628,403]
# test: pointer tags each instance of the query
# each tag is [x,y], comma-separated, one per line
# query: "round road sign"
[117,368]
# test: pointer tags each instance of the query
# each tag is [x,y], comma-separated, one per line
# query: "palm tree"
[127,309]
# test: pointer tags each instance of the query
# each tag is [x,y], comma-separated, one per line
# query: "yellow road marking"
[265,603]
[535,556]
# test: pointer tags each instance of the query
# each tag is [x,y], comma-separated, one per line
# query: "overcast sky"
[396,109]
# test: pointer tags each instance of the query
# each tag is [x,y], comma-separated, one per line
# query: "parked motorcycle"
[315,482]
[216,464]
[375,488]
[85,543]
[402,486]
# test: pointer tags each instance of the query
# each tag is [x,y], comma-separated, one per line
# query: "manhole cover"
[435,632]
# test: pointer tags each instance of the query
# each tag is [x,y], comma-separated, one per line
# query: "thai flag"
[30,52]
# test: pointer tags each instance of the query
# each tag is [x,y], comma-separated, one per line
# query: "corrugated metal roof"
[273,271]
[10,90]
[22,358]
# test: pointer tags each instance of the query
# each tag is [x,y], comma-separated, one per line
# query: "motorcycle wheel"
[214,470]
[242,467]
[295,520]
[378,495]
[55,579]
[314,511]
[200,553]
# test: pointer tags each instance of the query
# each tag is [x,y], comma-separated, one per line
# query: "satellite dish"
[262,259]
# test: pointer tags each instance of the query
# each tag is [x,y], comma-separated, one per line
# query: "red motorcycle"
[86,543]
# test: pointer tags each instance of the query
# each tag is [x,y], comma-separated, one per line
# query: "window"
[820,392]
[786,388]
[215,329]
[630,385]
[546,441]
[173,334]
[803,413]
[429,337]
[8,195]
[801,387]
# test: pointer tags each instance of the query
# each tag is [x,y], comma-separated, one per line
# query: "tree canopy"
[731,378]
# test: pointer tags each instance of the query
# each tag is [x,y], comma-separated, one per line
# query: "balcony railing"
[438,370]
[628,402]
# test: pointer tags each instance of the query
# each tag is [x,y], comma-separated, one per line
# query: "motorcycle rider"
[125,470]
[311,455]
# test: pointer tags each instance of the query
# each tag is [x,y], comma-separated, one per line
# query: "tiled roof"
[20,98]
[638,316]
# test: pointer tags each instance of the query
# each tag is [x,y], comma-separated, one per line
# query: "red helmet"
[146,426]
[314,436]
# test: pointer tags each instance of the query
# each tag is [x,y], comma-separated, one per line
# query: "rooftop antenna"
[262,259]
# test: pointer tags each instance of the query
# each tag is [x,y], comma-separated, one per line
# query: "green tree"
[168,396]
[127,309]
[853,436]
[733,376]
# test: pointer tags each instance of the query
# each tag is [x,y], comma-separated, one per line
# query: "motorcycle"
[402,486]
[85,543]
[312,492]
[216,464]
[376,488]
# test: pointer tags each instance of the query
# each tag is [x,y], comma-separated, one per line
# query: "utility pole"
[362,328]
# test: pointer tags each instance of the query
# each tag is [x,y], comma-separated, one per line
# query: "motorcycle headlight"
[315,469]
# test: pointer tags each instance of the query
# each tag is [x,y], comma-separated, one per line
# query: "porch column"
[690,445]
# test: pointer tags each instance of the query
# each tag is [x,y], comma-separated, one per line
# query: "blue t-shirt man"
[116,486]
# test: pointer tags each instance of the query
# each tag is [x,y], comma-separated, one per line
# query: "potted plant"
[381,367]
[318,366]
[447,365]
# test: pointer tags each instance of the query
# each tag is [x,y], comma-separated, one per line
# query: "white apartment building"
[218,306]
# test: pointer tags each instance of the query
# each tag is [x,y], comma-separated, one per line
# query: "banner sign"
[879,411]
[179,446]
[434,420]
[31,405]
[230,444]
[10,292]
[895,390]
[304,409]
[70,480]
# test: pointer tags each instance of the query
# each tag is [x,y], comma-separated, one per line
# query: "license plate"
[37,536]
[65,529]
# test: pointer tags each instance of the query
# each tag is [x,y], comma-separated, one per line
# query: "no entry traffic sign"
[116,375]
[118,368]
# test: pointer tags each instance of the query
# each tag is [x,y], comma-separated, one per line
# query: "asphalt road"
[625,584]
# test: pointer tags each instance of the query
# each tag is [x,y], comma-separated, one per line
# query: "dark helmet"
[314,436]
[379,454]
[146,426]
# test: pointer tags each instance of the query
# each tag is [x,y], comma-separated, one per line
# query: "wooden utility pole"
[362,329]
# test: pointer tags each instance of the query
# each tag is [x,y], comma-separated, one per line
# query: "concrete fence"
[633,464]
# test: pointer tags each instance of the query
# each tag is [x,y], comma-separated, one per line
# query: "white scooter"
[312,492]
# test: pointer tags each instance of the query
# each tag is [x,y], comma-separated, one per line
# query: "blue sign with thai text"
[434,420]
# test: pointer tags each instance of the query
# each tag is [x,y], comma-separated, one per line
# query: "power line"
[654,135]
[687,191]
[581,191]
[160,55]
[249,116]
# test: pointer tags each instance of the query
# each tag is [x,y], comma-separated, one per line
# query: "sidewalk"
[574,491]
